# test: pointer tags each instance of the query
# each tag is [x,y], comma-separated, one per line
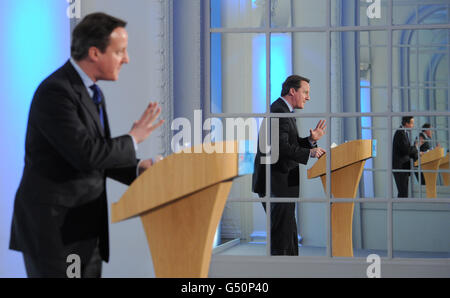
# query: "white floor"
[240,248]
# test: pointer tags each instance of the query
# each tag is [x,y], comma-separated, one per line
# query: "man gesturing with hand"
[143,128]
[285,179]
[60,207]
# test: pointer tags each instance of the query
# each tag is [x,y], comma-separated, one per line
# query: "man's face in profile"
[410,124]
[301,95]
[110,62]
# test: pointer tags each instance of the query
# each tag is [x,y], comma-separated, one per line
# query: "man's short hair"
[406,119]
[93,31]
[426,126]
[293,81]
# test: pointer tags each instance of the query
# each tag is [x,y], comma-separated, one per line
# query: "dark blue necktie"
[98,102]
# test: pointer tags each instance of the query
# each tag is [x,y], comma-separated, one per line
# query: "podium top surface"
[430,156]
[174,177]
[342,156]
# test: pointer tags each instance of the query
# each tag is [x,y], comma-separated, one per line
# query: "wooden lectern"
[430,161]
[180,201]
[445,165]
[347,164]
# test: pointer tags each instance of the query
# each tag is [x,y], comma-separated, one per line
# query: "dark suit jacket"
[426,144]
[292,151]
[60,206]
[402,150]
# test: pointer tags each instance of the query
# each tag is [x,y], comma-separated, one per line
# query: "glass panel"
[242,230]
[364,223]
[434,13]
[373,38]
[373,13]
[404,153]
[367,62]
[409,179]
[422,67]
[420,230]
[433,37]
[312,228]
[420,12]
[311,187]
[372,183]
[237,13]
[238,73]
[309,60]
[281,59]
[242,188]
[404,12]
[420,99]
[370,229]
[299,13]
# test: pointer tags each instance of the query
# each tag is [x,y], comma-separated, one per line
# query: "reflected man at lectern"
[425,138]
[285,172]
[60,208]
[425,143]
[402,153]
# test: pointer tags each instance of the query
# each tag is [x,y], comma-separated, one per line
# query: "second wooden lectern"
[180,201]
[347,164]
[431,161]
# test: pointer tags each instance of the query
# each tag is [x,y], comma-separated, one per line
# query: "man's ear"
[93,54]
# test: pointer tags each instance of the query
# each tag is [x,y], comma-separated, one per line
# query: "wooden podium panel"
[431,161]
[347,165]
[445,165]
[181,235]
[180,201]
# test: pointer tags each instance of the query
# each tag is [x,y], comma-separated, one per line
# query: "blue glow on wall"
[366,134]
[216,73]
[280,62]
[35,42]
[259,73]
[280,67]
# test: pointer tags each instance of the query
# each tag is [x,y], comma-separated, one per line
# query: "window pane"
[420,230]
[312,227]
[367,14]
[420,12]
[303,13]
[237,13]
[242,230]
[368,63]
[434,13]
[372,13]
[309,60]
[418,181]
[312,186]
[372,182]
[238,73]
[370,229]
[420,70]
[404,12]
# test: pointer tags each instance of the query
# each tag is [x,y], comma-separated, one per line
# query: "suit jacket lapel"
[286,110]
[85,99]
[105,118]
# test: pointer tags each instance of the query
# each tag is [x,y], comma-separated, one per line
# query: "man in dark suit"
[425,138]
[60,207]
[402,153]
[285,171]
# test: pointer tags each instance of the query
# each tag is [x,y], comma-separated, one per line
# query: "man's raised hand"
[319,131]
[142,128]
